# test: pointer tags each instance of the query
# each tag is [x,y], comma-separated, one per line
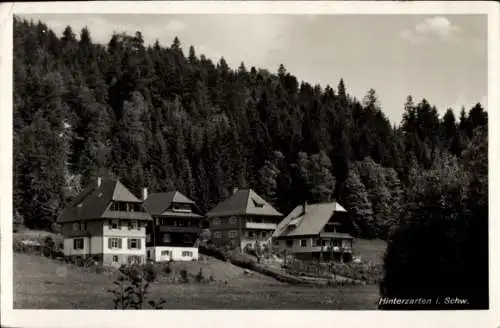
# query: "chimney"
[235,190]
[144,193]
[99,182]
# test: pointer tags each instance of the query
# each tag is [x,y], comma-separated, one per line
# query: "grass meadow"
[42,283]
[45,283]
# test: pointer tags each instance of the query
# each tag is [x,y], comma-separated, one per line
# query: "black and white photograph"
[178,160]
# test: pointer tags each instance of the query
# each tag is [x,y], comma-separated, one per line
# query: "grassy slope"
[41,283]
[370,250]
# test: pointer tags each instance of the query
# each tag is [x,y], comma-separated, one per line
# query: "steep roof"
[244,202]
[94,200]
[309,223]
[158,203]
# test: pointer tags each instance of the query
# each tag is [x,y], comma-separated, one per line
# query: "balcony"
[178,229]
[262,226]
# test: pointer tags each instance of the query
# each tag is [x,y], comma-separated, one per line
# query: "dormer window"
[114,224]
[126,207]
[257,204]
[186,208]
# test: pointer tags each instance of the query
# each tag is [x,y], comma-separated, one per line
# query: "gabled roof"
[243,202]
[94,200]
[159,203]
[309,223]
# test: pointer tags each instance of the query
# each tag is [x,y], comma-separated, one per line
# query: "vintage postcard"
[253,156]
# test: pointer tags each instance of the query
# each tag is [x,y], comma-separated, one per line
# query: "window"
[148,238]
[165,253]
[316,242]
[132,225]
[232,220]
[303,243]
[134,243]
[257,204]
[346,243]
[232,234]
[76,226]
[114,224]
[83,226]
[115,258]
[166,238]
[114,243]
[217,222]
[134,259]
[187,254]
[289,243]
[217,235]
[181,208]
[78,243]
[187,238]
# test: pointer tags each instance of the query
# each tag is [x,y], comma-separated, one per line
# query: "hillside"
[41,283]
[165,117]
[168,118]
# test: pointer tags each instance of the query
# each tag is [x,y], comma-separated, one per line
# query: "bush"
[184,276]
[199,277]
[132,288]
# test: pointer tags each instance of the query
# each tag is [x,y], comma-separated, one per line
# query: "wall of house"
[91,245]
[117,259]
[226,230]
[124,246]
[226,237]
[139,231]
[226,223]
[69,246]
[309,248]
[158,254]
[94,228]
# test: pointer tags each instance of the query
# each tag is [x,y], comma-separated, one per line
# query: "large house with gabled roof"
[106,222]
[242,220]
[315,232]
[174,230]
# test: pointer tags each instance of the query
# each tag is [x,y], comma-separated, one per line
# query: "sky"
[440,58]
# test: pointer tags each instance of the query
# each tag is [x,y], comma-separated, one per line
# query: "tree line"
[160,117]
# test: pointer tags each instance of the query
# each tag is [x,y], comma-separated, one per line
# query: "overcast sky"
[441,58]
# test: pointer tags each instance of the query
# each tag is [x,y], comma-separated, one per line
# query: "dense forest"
[165,118]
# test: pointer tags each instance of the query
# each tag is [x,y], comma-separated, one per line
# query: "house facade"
[175,228]
[107,223]
[243,220]
[315,232]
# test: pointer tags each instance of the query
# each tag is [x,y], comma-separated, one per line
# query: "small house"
[107,223]
[175,228]
[242,220]
[315,232]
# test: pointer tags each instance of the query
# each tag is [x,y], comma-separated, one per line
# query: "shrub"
[184,276]
[132,288]
[199,277]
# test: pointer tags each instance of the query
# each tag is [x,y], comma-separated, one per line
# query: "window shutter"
[128,243]
[109,243]
[119,224]
[139,244]
[119,243]
[74,243]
